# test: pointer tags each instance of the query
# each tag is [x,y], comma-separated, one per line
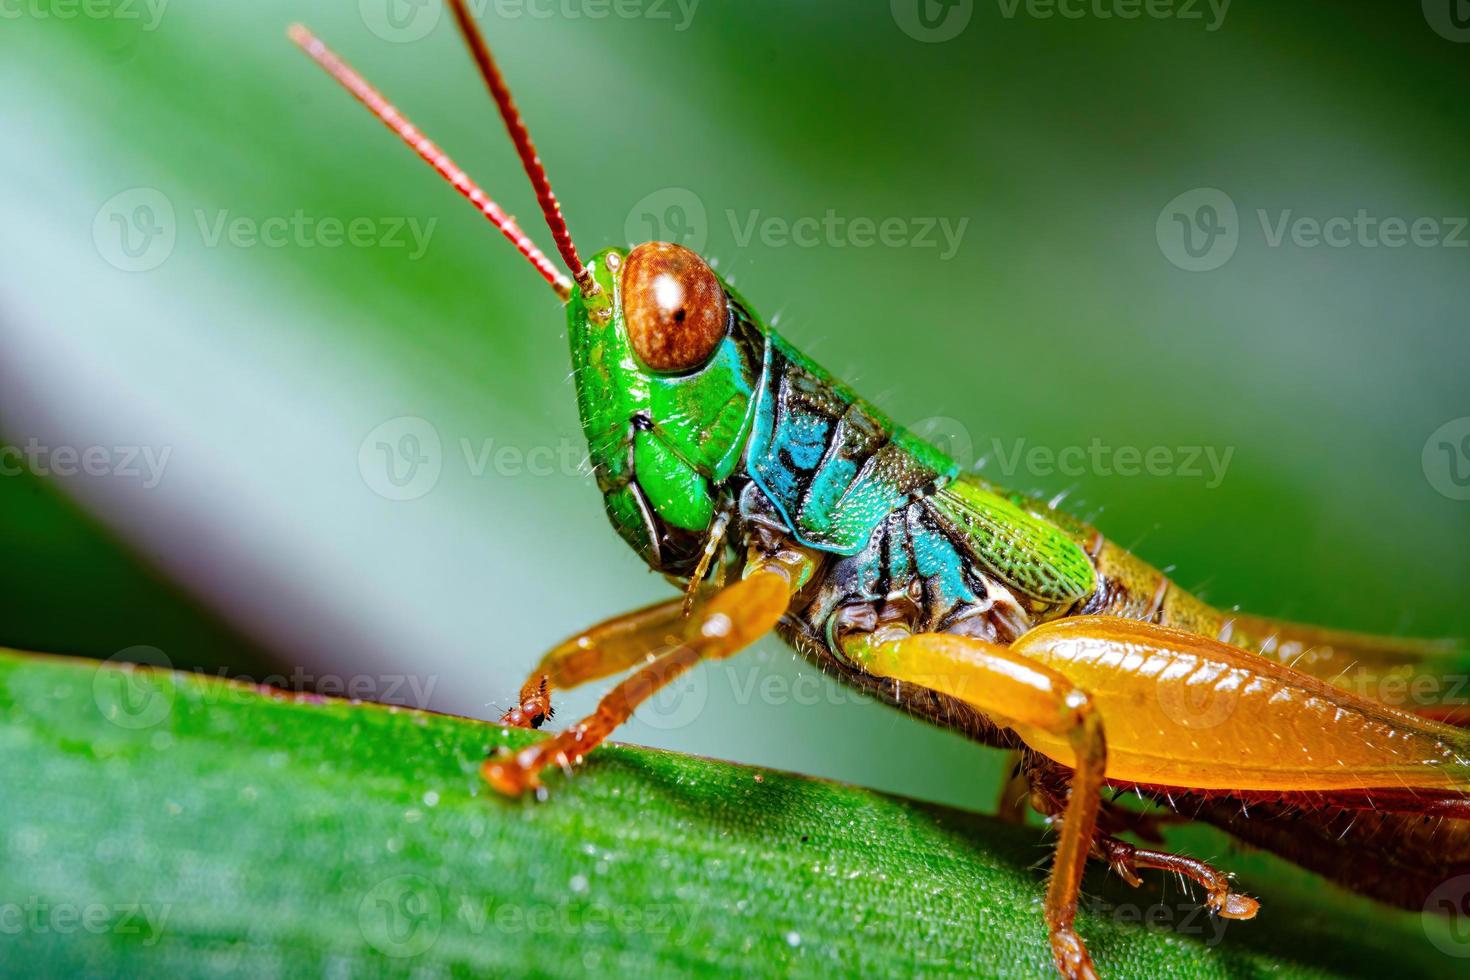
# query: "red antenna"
[525,149]
[436,158]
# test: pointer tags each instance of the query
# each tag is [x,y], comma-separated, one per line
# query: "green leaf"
[168,824]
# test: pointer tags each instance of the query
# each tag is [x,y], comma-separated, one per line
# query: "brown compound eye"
[673,306]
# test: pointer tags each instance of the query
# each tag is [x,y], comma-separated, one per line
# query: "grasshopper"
[778,499]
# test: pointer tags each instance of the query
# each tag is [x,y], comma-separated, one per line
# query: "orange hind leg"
[1179,710]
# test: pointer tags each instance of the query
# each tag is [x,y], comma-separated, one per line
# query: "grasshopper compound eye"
[673,306]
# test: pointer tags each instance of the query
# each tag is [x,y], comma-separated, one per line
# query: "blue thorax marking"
[833,465]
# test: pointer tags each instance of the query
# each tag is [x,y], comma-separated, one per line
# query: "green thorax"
[836,467]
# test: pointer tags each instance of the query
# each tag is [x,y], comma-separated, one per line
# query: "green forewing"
[1030,554]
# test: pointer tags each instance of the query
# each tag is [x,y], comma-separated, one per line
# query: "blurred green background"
[173,284]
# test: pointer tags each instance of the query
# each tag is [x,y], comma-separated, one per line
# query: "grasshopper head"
[666,359]
[666,363]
